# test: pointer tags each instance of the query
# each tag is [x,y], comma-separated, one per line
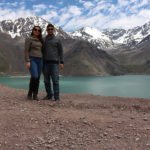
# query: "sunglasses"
[37,30]
[50,29]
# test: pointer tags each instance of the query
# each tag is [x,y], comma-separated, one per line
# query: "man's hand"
[61,66]
[28,65]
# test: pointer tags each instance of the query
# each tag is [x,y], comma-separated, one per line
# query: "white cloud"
[123,3]
[38,8]
[67,13]
[87,4]
[78,22]
[95,13]
[104,14]
[127,22]
[52,7]
[6,14]
[8,4]
[73,10]
[50,15]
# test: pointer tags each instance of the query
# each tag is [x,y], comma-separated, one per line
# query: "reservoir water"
[124,86]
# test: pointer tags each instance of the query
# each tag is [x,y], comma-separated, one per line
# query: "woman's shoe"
[29,96]
[35,97]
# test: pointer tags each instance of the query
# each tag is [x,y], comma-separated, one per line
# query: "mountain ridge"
[82,49]
[105,39]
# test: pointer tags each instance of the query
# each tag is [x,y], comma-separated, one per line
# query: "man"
[52,60]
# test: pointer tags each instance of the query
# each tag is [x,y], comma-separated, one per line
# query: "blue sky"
[74,14]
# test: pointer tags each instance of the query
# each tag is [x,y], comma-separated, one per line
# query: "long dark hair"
[40,35]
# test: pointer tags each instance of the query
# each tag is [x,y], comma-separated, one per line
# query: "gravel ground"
[77,122]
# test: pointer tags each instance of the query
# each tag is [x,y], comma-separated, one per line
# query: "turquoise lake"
[124,86]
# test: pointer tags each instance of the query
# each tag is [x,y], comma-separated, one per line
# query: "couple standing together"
[44,55]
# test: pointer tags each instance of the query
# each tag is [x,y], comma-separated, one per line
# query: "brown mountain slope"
[11,54]
[136,60]
[82,58]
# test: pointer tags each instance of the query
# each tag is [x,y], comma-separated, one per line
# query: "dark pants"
[35,71]
[51,73]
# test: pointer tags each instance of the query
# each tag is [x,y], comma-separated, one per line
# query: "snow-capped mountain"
[94,36]
[106,39]
[23,26]
[112,38]
[129,37]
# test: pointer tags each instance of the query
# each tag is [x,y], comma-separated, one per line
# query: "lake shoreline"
[78,121]
[28,74]
[121,86]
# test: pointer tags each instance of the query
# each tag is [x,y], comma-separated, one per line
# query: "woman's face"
[36,31]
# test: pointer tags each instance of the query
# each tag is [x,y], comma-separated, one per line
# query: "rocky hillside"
[11,54]
[82,58]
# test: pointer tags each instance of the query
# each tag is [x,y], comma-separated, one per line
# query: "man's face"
[50,30]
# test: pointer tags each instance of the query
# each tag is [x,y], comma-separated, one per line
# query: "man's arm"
[60,50]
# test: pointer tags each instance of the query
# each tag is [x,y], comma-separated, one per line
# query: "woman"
[33,58]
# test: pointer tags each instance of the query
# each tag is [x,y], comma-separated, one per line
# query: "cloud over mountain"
[72,15]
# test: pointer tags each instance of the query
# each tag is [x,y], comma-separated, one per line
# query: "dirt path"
[78,122]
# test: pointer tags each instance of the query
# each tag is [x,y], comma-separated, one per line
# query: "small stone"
[130,125]
[148,145]
[145,119]
[48,122]
[105,134]
[72,146]
[5,142]
[99,140]
[132,118]
[119,122]
[117,136]
[48,146]
[41,139]
[121,108]
[82,117]
[109,126]
[17,145]
[85,121]
[137,139]
[31,147]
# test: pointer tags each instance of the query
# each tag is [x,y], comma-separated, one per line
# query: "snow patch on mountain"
[93,36]
[129,37]
[94,33]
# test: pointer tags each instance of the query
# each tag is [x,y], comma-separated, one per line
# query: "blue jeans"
[51,73]
[36,67]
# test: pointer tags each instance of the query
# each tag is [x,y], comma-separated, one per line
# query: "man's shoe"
[57,100]
[29,97]
[47,98]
